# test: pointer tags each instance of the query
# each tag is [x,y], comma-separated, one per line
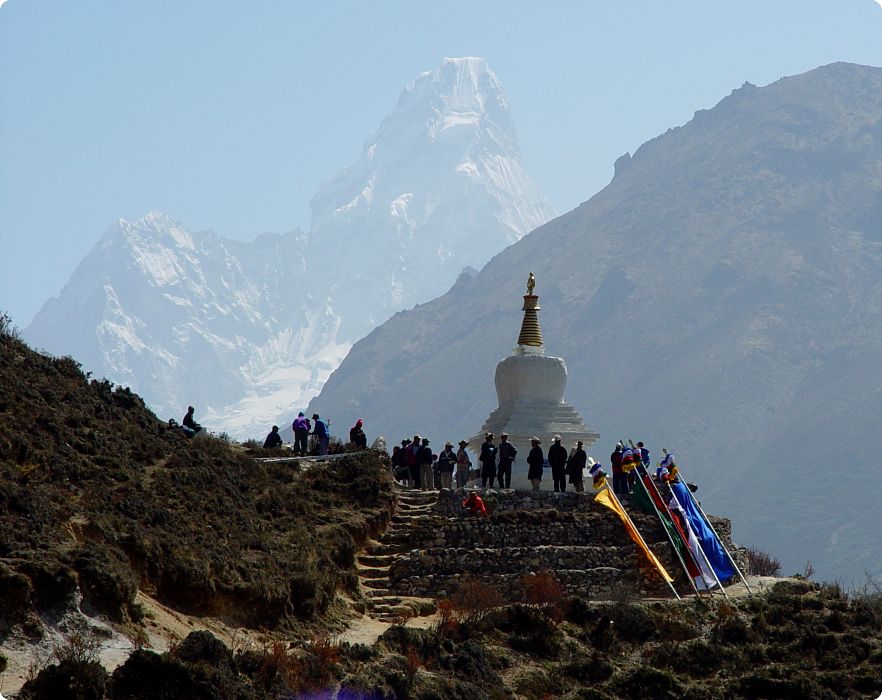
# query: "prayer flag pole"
[703,555]
[713,529]
[632,529]
[667,532]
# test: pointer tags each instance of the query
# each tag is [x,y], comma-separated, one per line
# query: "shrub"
[278,664]
[647,682]
[319,662]
[469,607]
[67,679]
[8,328]
[762,564]
[543,589]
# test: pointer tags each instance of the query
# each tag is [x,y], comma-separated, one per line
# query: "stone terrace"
[432,544]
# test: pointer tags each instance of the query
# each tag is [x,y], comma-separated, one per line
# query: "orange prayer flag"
[605,499]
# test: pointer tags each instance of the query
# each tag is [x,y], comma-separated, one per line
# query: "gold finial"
[531,334]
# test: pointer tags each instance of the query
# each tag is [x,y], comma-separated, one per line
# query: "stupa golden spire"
[531,334]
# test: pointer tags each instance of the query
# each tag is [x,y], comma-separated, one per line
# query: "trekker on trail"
[357,436]
[536,461]
[424,458]
[488,460]
[475,504]
[410,458]
[507,455]
[301,428]
[620,479]
[320,430]
[463,464]
[576,467]
[273,440]
[190,426]
[446,464]
[557,460]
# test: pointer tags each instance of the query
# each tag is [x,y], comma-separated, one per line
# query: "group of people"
[303,427]
[626,461]
[415,464]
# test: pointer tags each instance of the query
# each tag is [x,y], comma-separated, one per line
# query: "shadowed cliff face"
[721,298]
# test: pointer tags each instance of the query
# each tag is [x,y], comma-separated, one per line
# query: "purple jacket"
[301,423]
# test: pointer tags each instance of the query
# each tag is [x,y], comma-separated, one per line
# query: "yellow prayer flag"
[605,499]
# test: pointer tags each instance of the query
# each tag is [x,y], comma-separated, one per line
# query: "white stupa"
[530,389]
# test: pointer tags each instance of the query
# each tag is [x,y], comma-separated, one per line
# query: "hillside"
[719,298]
[100,498]
[101,501]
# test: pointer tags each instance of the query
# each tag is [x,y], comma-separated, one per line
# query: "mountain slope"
[721,297]
[248,332]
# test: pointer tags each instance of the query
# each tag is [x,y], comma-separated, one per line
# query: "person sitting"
[357,436]
[474,504]
[273,440]
[189,424]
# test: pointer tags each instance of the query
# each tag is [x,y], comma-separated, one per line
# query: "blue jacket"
[320,428]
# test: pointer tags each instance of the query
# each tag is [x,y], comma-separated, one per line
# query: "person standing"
[535,461]
[644,459]
[320,430]
[398,466]
[301,428]
[273,440]
[576,467]
[463,464]
[620,479]
[557,460]
[424,459]
[446,464]
[357,436]
[507,455]
[413,466]
[488,461]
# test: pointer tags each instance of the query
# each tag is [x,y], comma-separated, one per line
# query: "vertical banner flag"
[710,545]
[605,499]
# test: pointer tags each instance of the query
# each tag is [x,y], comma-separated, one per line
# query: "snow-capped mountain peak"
[247,332]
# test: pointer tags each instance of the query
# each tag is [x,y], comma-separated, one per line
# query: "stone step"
[375,583]
[415,507]
[408,518]
[371,572]
[375,560]
[387,549]
[378,593]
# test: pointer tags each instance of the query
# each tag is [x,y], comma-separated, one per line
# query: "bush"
[762,564]
[467,609]
[543,589]
[67,679]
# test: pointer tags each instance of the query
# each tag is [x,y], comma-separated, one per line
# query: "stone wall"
[580,542]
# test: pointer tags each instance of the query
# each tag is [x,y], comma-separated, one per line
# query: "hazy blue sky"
[228,115]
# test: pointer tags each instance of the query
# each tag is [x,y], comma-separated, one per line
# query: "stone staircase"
[381,601]
[432,545]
